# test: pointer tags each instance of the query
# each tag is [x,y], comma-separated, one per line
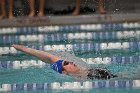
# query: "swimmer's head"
[100,74]
[70,67]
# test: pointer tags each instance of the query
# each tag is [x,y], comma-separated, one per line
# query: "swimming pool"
[115,46]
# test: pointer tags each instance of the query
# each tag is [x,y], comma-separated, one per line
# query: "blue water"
[84,91]
[82,48]
[45,74]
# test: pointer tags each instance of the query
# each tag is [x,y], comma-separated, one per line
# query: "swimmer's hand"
[19,47]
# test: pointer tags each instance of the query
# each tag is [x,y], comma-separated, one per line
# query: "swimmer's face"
[70,67]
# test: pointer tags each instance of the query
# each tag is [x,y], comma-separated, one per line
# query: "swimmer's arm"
[44,56]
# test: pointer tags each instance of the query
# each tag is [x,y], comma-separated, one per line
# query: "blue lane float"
[130,46]
[55,37]
[71,85]
[69,28]
[17,64]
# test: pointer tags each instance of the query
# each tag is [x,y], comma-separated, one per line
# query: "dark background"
[65,7]
[112,5]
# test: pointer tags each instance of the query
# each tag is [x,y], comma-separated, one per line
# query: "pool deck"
[69,20]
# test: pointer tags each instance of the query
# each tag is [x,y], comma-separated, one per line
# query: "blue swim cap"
[57,66]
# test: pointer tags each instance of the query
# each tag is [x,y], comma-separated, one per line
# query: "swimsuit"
[57,66]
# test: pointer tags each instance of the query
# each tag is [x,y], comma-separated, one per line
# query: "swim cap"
[57,66]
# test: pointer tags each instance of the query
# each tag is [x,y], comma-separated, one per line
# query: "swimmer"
[65,67]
